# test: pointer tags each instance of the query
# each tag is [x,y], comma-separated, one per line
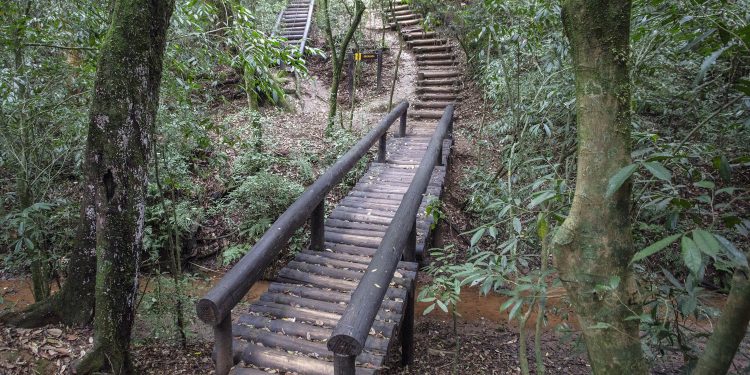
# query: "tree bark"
[338,56]
[731,329]
[121,122]
[594,244]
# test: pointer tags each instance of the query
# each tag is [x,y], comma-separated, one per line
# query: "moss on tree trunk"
[594,244]
[122,117]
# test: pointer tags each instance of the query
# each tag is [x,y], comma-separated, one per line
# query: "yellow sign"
[357,56]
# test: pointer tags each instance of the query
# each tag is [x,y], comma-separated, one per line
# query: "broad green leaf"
[655,247]
[493,231]
[442,306]
[541,197]
[514,310]
[506,304]
[614,282]
[477,236]
[428,309]
[517,225]
[658,170]
[705,184]
[691,255]
[707,63]
[672,279]
[687,304]
[722,165]
[706,242]
[734,254]
[619,178]
[600,325]
[542,227]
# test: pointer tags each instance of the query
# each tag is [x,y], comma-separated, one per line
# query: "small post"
[380,68]
[407,339]
[317,226]
[440,155]
[343,364]
[410,249]
[381,148]
[351,75]
[402,125]
[223,345]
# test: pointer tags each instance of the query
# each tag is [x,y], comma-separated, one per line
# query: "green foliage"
[242,46]
[259,200]
[157,306]
[42,232]
[690,128]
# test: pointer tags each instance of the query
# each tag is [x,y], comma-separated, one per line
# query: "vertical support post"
[410,249]
[380,68]
[381,148]
[223,345]
[351,75]
[317,227]
[440,154]
[407,338]
[343,364]
[402,125]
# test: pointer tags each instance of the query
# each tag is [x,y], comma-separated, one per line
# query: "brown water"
[16,293]
[476,308]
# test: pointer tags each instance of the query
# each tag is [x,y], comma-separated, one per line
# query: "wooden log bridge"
[342,305]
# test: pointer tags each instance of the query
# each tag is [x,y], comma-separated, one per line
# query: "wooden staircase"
[294,22]
[439,78]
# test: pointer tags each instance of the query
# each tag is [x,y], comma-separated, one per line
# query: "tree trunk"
[731,329]
[338,56]
[122,117]
[594,245]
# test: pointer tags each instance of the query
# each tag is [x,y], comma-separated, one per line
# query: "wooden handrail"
[348,338]
[307,27]
[216,306]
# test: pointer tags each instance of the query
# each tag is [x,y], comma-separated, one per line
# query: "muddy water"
[16,293]
[476,308]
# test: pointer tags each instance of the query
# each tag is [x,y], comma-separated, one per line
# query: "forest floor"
[487,343]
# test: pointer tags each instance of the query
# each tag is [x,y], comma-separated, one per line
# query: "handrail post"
[407,338]
[402,125]
[343,364]
[223,345]
[381,148]
[317,226]
[410,248]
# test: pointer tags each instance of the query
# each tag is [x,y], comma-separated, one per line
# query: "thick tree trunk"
[732,327]
[594,244]
[338,56]
[122,117]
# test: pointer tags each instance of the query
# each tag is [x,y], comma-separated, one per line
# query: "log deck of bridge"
[287,328]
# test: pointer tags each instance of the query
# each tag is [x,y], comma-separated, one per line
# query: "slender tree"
[594,245]
[121,122]
[338,55]
[731,329]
